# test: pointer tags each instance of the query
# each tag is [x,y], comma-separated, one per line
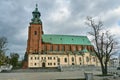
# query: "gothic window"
[57,47]
[63,48]
[70,48]
[67,48]
[76,48]
[35,32]
[79,48]
[82,47]
[45,47]
[51,47]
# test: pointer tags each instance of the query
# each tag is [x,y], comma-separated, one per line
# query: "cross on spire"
[36,5]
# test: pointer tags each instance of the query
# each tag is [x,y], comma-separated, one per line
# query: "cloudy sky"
[58,17]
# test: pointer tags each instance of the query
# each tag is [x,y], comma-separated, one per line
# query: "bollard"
[88,76]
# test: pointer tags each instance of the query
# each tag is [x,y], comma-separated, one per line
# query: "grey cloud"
[15,16]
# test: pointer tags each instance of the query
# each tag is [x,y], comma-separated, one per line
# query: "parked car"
[6,67]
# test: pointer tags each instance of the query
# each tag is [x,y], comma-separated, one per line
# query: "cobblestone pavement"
[50,75]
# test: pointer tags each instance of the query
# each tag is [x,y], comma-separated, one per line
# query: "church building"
[49,51]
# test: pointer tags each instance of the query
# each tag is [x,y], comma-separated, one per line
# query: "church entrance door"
[43,64]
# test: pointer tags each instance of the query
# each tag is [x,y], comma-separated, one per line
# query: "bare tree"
[3,48]
[103,41]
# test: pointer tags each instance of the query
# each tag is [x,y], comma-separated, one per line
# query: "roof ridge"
[65,39]
[64,35]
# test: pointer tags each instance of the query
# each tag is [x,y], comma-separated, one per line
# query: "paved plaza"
[42,75]
[51,75]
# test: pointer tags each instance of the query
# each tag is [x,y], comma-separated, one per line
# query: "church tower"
[35,31]
[34,43]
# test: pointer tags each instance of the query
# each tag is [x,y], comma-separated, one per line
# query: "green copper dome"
[36,16]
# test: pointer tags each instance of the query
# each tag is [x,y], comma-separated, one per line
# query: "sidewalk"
[43,75]
[51,75]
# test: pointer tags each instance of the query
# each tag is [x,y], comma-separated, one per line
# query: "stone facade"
[55,50]
[55,60]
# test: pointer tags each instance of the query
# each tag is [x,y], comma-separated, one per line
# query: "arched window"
[35,32]
[65,60]
[58,59]
[45,47]
[74,48]
[80,59]
[72,59]
[63,48]
[57,47]
[51,47]
[35,64]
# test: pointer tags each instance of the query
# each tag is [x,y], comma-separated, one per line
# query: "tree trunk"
[106,68]
[103,68]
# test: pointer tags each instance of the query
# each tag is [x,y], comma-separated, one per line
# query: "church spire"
[36,16]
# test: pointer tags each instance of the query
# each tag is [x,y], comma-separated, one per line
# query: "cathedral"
[50,51]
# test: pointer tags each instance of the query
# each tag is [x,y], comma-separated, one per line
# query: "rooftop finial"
[36,16]
[36,5]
